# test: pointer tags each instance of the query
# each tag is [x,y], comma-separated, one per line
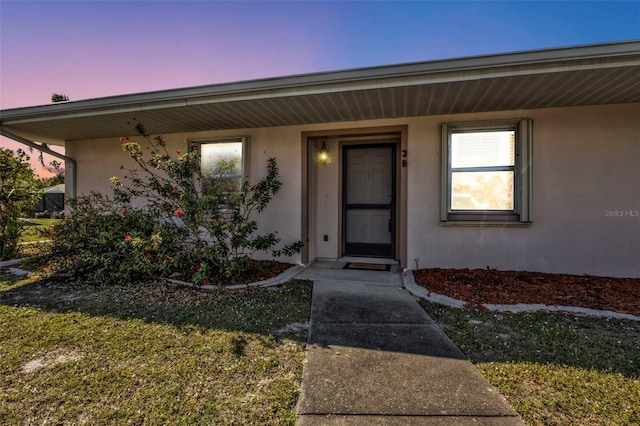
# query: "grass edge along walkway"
[554,369]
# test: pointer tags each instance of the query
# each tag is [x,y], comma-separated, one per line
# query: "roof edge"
[612,50]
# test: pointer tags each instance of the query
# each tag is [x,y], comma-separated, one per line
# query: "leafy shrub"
[102,245]
[203,228]
[217,217]
[16,197]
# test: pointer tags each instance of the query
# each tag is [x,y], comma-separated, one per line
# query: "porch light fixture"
[323,154]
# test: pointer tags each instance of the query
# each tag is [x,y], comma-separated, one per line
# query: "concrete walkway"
[374,357]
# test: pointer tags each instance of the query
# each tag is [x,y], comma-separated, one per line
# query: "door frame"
[344,146]
[308,184]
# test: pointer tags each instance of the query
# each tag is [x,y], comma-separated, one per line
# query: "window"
[486,171]
[222,162]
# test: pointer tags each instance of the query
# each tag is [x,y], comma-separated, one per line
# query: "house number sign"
[404,158]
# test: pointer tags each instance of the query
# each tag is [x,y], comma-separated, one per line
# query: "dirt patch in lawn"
[50,360]
[479,286]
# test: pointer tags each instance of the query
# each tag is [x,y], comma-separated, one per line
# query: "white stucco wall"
[586,167]
[586,161]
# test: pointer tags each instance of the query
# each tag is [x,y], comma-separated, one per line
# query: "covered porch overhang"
[574,76]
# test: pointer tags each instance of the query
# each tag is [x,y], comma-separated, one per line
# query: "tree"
[54,167]
[16,197]
[59,97]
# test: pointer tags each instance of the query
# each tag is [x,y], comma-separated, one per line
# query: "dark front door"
[369,200]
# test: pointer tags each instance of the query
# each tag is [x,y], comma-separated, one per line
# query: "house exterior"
[519,161]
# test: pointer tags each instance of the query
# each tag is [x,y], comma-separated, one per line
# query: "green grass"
[36,229]
[554,369]
[149,354]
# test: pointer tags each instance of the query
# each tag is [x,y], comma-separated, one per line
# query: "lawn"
[156,354]
[554,369]
[36,229]
[149,354]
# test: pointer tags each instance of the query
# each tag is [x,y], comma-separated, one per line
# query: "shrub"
[101,245]
[218,220]
[205,229]
[16,197]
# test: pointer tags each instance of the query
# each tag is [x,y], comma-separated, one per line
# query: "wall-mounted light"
[323,154]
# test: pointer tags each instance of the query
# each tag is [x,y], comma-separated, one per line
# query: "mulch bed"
[256,274]
[479,286]
[261,270]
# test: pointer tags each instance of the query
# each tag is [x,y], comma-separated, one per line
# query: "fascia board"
[433,72]
[236,96]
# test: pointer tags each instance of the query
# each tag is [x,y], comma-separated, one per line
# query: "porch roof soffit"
[587,75]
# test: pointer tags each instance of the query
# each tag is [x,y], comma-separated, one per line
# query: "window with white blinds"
[486,171]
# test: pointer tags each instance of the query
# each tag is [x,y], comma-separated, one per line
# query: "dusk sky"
[89,49]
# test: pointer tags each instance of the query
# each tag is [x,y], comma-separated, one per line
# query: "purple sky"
[88,49]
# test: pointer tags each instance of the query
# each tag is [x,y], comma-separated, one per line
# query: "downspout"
[69,163]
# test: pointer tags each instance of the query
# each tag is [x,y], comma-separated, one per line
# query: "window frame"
[521,213]
[244,161]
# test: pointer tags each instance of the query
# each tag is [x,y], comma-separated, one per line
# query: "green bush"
[218,219]
[101,245]
[202,233]
[16,197]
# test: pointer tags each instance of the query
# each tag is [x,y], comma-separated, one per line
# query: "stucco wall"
[586,191]
[586,163]
[327,210]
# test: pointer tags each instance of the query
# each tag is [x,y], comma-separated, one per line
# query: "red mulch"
[478,286]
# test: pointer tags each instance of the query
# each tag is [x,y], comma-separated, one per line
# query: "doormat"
[367,266]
